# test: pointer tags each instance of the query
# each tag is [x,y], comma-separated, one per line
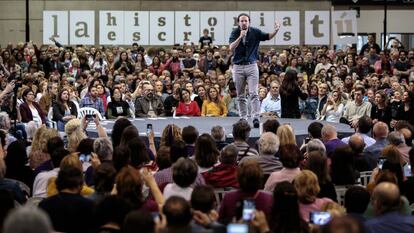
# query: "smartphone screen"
[237,228]
[381,162]
[248,210]
[407,170]
[149,128]
[319,218]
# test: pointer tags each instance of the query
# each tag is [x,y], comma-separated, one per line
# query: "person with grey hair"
[103,148]
[268,147]
[219,135]
[315,145]
[397,139]
[380,132]
[5,125]
[27,219]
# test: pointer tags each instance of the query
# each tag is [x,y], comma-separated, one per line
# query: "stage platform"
[204,125]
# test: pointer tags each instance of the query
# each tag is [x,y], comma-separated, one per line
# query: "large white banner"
[111,30]
[172,27]
[317,27]
[344,24]
[136,27]
[82,27]
[265,21]
[162,28]
[213,21]
[289,33]
[187,27]
[55,24]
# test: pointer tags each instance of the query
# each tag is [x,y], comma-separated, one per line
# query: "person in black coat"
[64,110]
[289,93]
[117,107]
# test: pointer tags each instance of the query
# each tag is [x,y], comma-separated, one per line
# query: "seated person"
[30,110]
[64,110]
[184,174]
[186,106]
[117,107]
[149,105]
[214,106]
[92,100]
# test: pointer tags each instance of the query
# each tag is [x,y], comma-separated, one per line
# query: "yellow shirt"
[213,109]
[51,188]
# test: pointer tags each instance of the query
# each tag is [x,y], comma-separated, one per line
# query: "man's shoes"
[256,123]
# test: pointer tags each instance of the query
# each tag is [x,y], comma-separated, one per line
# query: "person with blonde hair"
[214,106]
[75,134]
[38,152]
[170,134]
[286,135]
[307,186]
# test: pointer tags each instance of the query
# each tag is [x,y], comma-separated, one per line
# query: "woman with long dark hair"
[406,110]
[64,110]
[124,64]
[381,111]
[285,215]
[30,110]
[289,93]
[187,107]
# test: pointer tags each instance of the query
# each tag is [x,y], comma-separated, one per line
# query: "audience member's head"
[364,124]
[104,178]
[54,144]
[75,134]
[129,186]
[307,186]
[163,158]
[178,212]
[178,150]
[190,134]
[268,144]
[111,210]
[170,135]
[342,166]
[317,162]
[206,152]
[249,176]
[138,154]
[395,138]
[27,219]
[203,199]
[139,221]
[119,126]
[218,133]
[286,135]
[380,130]
[228,154]
[356,199]
[69,178]
[328,132]
[316,145]
[289,155]
[357,144]
[315,130]
[241,130]
[386,198]
[184,172]
[271,125]
[103,148]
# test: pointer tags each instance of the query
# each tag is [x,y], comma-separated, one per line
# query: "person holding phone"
[244,42]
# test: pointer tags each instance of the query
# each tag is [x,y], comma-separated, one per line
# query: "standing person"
[290,92]
[244,42]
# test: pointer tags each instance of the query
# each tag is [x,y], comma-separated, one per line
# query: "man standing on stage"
[244,42]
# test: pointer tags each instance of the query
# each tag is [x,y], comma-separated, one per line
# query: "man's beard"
[150,95]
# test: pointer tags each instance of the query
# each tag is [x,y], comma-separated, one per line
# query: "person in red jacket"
[187,107]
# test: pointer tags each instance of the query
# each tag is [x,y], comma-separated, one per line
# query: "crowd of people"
[69,182]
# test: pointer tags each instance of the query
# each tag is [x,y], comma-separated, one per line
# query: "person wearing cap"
[244,42]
